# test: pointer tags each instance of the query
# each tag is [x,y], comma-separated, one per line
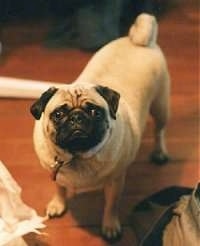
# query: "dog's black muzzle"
[77,133]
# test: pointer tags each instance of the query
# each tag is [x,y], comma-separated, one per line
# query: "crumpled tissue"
[16,218]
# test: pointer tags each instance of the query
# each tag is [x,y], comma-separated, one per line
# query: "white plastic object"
[24,88]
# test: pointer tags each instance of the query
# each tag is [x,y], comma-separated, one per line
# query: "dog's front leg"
[111,228]
[57,206]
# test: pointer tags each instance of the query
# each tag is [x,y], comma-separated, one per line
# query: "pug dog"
[88,133]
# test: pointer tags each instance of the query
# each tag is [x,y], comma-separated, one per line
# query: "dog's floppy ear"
[111,97]
[38,107]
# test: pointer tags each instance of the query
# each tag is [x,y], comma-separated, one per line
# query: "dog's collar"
[57,165]
[60,163]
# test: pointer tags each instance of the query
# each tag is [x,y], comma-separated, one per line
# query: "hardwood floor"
[25,57]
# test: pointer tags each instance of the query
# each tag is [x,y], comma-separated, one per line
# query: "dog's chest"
[83,175]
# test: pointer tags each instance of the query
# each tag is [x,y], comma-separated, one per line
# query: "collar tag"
[56,167]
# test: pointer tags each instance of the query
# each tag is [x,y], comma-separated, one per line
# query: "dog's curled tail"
[144,31]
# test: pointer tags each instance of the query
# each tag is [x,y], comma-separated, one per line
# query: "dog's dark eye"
[59,114]
[96,113]
[94,110]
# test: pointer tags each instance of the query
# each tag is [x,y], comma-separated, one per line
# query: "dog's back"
[133,65]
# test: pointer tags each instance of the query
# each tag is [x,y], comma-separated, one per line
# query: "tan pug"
[88,133]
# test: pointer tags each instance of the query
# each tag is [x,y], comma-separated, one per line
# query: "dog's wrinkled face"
[79,127]
[77,118]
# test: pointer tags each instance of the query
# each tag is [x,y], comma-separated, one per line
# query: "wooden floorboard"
[25,57]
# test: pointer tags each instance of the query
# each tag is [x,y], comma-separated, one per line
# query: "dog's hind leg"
[160,112]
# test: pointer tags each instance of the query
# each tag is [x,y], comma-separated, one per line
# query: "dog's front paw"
[111,229]
[56,207]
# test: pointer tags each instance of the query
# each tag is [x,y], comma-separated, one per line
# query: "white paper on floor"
[16,218]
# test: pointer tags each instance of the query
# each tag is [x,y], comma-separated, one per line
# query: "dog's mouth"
[77,134]
[78,141]
[75,141]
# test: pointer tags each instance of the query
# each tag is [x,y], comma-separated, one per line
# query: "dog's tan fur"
[136,68]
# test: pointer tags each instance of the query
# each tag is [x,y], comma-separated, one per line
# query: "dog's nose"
[76,117]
